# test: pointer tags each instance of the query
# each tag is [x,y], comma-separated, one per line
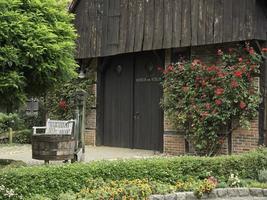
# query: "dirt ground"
[24,153]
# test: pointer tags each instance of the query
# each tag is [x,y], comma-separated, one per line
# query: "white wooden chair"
[55,127]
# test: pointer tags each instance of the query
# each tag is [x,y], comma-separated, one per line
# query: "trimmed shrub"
[53,180]
[263,176]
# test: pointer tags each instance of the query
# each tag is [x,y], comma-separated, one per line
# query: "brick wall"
[245,139]
[174,144]
[242,139]
[90,126]
[90,137]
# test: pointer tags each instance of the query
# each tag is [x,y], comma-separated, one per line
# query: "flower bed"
[51,181]
[225,193]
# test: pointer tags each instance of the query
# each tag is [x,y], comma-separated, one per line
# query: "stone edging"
[222,193]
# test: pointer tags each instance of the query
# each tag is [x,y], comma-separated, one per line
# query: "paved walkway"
[24,153]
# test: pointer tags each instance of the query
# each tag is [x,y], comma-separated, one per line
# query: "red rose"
[208,106]
[212,68]
[220,74]
[219,91]
[238,74]
[170,68]
[251,51]
[264,49]
[218,102]
[242,104]
[62,104]
[234,84]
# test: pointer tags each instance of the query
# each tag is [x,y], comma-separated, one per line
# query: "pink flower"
[170,68]
[242,104]
[219,91]
[234,84]
[240,59]
[212,68]
[218,102]
[208,106]
[251,51]
[220,75]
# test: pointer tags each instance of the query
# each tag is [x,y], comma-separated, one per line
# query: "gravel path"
[24,153]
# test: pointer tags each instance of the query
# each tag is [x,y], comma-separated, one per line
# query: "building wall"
[90,126]
[245,139]
[174,142]
[242,140]
[111,27]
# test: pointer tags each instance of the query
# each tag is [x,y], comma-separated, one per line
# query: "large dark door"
[118,102]
[148,120]
[132,93]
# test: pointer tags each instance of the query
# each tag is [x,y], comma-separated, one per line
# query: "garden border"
[221,193]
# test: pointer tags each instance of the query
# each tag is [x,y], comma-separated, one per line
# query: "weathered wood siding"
[110,27]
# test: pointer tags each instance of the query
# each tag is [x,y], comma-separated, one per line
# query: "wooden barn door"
[148,116]
[118,102]
[132,93]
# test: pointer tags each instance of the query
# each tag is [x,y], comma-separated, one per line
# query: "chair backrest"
[58,127]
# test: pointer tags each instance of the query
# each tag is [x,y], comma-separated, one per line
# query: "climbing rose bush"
[204,99]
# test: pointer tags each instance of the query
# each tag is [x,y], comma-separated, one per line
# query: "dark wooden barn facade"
[129,38]
[111,27]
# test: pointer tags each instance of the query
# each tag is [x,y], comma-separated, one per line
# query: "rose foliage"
[60,102]
[204,99]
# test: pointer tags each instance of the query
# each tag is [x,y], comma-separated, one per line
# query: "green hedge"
[8,163]
[53,180]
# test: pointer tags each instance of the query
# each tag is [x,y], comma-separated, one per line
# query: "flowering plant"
[203,99]
[234,181]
